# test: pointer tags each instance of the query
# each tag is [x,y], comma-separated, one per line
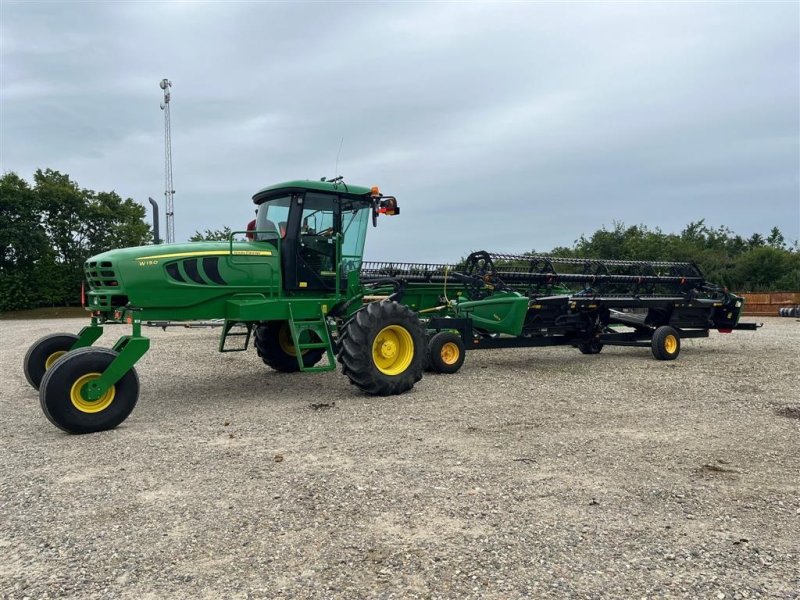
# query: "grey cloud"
[506,126]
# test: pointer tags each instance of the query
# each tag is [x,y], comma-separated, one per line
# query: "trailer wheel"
[666,343]
[382,348]
[446,352]
[62,394]
[273,343]
[426,359]
[592,347]
[43,354]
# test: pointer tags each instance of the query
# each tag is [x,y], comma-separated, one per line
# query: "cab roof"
[306,185]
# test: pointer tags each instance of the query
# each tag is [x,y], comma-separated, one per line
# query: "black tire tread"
[355,348]
[657,343]
[128,385]
[33,363]
[433,351]
[269,349]
[591,347]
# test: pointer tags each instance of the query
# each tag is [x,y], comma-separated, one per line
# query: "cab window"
[272,217]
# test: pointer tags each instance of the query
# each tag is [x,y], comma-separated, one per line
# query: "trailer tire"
[382,348]
[273,342]
[666,343]
[446,352]
[591,347]
[65,407]
[44,353]
[426,359]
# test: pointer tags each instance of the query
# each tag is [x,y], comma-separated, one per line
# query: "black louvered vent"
[211,269]
[174,272]
[190,268]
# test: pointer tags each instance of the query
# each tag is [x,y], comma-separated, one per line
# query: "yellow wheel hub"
[53,358]
[393,350]
[285,341]
[450,353]
[670,344]
[77,394]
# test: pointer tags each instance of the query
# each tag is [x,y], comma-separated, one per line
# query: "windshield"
[272,217]
[354,228]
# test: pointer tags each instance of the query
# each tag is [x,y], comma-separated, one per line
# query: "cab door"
[314,224]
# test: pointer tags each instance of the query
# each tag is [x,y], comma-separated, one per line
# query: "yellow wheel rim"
[450,353]
[670,344]
[79,400]
[53,358]
[393,350]
[285,340]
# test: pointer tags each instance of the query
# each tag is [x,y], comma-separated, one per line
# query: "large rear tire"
[44,353]
[62,394]
[273,342]
[382,348]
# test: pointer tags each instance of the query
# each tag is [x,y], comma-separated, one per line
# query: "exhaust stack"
[156,238]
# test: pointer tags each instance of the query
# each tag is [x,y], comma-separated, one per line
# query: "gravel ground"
[534,472]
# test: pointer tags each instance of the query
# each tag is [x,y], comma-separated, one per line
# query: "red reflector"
[725,330]
[83,294]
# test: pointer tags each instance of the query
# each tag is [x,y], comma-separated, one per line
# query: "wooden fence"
[766,304]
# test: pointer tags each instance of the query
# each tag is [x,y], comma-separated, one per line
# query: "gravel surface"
[533,472]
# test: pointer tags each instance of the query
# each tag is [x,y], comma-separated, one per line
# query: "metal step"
[226,333]
[318,327]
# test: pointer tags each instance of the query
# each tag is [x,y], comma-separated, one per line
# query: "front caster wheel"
[666,343]
[64,400]
[446,352]
[43,354]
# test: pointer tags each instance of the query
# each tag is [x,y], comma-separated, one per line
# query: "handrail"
[277,248]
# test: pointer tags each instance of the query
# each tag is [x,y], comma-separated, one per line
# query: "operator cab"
[318,227]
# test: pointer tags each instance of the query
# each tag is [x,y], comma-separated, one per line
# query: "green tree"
[728,259]
[49,229]
[212,235]
[775,238]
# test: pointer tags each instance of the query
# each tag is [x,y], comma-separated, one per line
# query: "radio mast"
[169,192]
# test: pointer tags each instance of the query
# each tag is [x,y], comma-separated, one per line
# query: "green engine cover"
[183,281]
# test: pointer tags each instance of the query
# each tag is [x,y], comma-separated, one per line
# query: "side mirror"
[383,205]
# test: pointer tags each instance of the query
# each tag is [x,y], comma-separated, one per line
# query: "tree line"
[48,228]
[762,262]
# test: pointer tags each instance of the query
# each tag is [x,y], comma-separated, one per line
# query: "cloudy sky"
[499,126]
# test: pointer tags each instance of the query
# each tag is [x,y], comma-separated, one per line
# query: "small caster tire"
[446,352]
[592,347]
[43,354]
[63,399]
[666,343]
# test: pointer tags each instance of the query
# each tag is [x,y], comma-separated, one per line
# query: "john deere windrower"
[293,287]
[298,287]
